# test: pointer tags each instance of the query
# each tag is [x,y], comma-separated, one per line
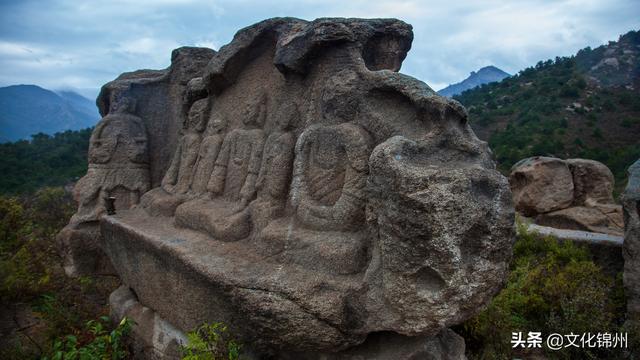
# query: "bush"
[553,287]
[211,342]
[103,345]
[597,133]
[33,283]
[28,227]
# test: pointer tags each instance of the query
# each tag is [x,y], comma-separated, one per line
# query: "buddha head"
[197,117]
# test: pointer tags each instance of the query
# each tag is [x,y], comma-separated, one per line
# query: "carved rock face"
[197,117]
[118,165]
[323,197]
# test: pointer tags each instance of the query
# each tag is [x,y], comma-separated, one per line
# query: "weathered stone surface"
[446,345]
[81,250]
[162,102]
[154,337]
[129,149]
[631,250]
[315,198]
[118,167]
[426,258]
[540,185]
[592,182]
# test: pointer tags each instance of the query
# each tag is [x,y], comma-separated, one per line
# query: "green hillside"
[587,106]
[44,161]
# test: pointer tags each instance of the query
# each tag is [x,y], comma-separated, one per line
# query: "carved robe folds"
[232,186]
[327,195]
[176,182]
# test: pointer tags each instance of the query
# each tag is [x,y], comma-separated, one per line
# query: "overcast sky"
[83,44]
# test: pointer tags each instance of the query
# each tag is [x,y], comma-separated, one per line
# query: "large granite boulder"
[631,249]
[575,194]
[312,198]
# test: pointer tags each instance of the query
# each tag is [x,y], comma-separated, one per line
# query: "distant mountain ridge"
[26,110]
[487,74]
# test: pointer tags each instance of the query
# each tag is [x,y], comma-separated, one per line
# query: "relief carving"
[233,182]
[118,163]
[330,174]
[176,183]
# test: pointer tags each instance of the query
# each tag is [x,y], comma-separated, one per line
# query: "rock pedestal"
[312,198]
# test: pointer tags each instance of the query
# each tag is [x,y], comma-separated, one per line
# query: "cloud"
[83,44]
[17,50]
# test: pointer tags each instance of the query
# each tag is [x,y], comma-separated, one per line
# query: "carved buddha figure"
[118,162]
[330,176]
[277,159]
[328,199]
[174,189]
[180,173]
[236,168]
[232,184]
[274,178]
[209,149]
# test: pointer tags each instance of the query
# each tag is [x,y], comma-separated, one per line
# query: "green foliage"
[104,344]
[12,221]
[553,287]
[211,342]
[28,227]
[597,133]
[33,282]
[44,161]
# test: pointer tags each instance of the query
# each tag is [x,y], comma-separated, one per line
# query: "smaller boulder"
[541,185]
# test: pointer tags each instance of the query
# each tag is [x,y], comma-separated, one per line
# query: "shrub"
[211,342]
[33,283]
[553,287]
[103,345]
[597,133]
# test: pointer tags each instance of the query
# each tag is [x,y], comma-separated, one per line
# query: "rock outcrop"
[310,196]
[631,249]
[573,194]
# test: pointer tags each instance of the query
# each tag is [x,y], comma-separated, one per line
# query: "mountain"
[486,75]
[586,105]
[28,109]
